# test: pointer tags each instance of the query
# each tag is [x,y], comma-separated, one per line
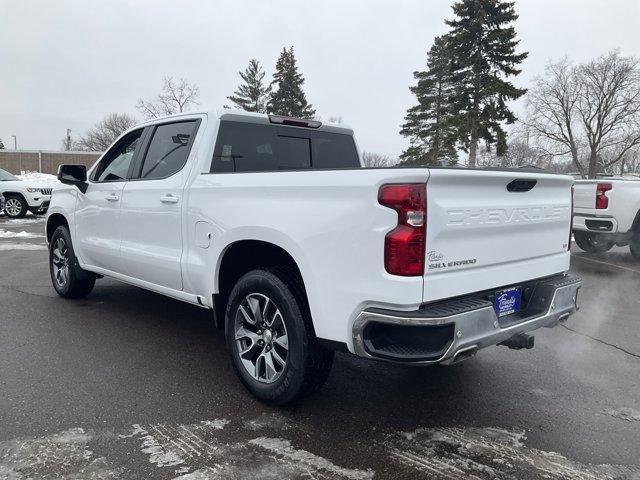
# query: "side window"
[168,150]
[334,150]
[250,147]
[244,147]
[114,167]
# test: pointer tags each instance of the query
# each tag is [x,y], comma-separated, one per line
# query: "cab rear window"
[250,147]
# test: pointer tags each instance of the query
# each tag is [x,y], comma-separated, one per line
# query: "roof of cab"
[247,117]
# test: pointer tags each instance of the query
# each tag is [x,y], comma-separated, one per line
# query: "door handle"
[113,198]
[169,199]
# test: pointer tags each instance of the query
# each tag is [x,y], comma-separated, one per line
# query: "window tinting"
[251,147]
[168,150]
[115,166]
[334,150]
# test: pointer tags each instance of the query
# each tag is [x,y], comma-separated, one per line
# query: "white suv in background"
[23,195]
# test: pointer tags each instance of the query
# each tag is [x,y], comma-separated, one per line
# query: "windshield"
[6,176]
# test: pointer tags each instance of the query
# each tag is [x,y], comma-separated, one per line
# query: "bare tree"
[376,160]
[590,112]
[104,133]
[176,96]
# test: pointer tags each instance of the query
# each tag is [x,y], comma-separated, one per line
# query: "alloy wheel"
[13,207]
[261,338]
[60,261]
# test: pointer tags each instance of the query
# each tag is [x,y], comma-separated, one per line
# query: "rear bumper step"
[452,330]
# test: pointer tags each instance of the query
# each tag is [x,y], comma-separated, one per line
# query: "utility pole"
[15,142]
[67,144]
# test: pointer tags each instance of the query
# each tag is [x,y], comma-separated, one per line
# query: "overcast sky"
[65,64]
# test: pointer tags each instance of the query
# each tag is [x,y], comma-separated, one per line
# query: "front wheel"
[268,330]
[593,242]
[69,280]
[15,206]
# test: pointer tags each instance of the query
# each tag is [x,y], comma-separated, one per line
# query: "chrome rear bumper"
[462,325]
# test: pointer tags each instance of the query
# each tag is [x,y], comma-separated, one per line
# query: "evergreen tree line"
[282,96]
[462,95]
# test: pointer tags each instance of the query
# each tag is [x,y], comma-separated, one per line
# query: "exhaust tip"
[464,354]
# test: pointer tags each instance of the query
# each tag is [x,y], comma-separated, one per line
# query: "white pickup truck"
[606,213]
[273,224]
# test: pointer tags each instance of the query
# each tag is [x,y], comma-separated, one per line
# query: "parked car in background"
[22,196]
[272,223]
[606,213]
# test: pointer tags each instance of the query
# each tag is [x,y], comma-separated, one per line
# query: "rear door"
[488,229]
[151,207]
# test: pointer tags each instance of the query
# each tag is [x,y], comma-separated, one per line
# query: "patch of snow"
[158,452]
[21,246]
[628,414]
[271,420]
[489,453]
[22,234]
[217,424]
[283,448]
[63,455]
[206,473]
[39,178]
[24,221]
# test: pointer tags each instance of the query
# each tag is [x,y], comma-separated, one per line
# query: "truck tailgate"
[584,194]
[488,229]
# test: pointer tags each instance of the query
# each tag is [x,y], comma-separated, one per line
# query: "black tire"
[15,206]
[592,242]
[307,363]
[75,282]
[634,247]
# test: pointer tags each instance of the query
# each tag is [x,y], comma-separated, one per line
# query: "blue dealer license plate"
[507,301]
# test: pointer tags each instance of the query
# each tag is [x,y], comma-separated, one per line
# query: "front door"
[98,224]
[151,206]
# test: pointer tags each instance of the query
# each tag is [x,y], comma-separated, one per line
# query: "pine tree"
[252,95]
[483,48]
[1,145]
[288,98]
[429,124]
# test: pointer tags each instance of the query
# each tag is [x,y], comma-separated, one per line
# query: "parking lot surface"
[130,384]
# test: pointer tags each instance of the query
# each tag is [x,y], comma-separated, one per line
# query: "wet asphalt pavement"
[130,384]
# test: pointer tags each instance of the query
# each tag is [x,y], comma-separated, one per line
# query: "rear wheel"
[593,242]
[269,335]
[15,206]
[68,279]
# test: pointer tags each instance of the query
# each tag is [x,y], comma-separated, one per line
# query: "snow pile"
[23,234]
[38,178]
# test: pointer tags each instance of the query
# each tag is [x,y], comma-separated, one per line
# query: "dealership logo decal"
[434,256]
[436,260]
[506,302]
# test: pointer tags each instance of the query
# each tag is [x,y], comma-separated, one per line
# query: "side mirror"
[73,175]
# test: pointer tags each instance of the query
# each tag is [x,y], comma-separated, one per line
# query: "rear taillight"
[602,201]
[404,246]
[571,221]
